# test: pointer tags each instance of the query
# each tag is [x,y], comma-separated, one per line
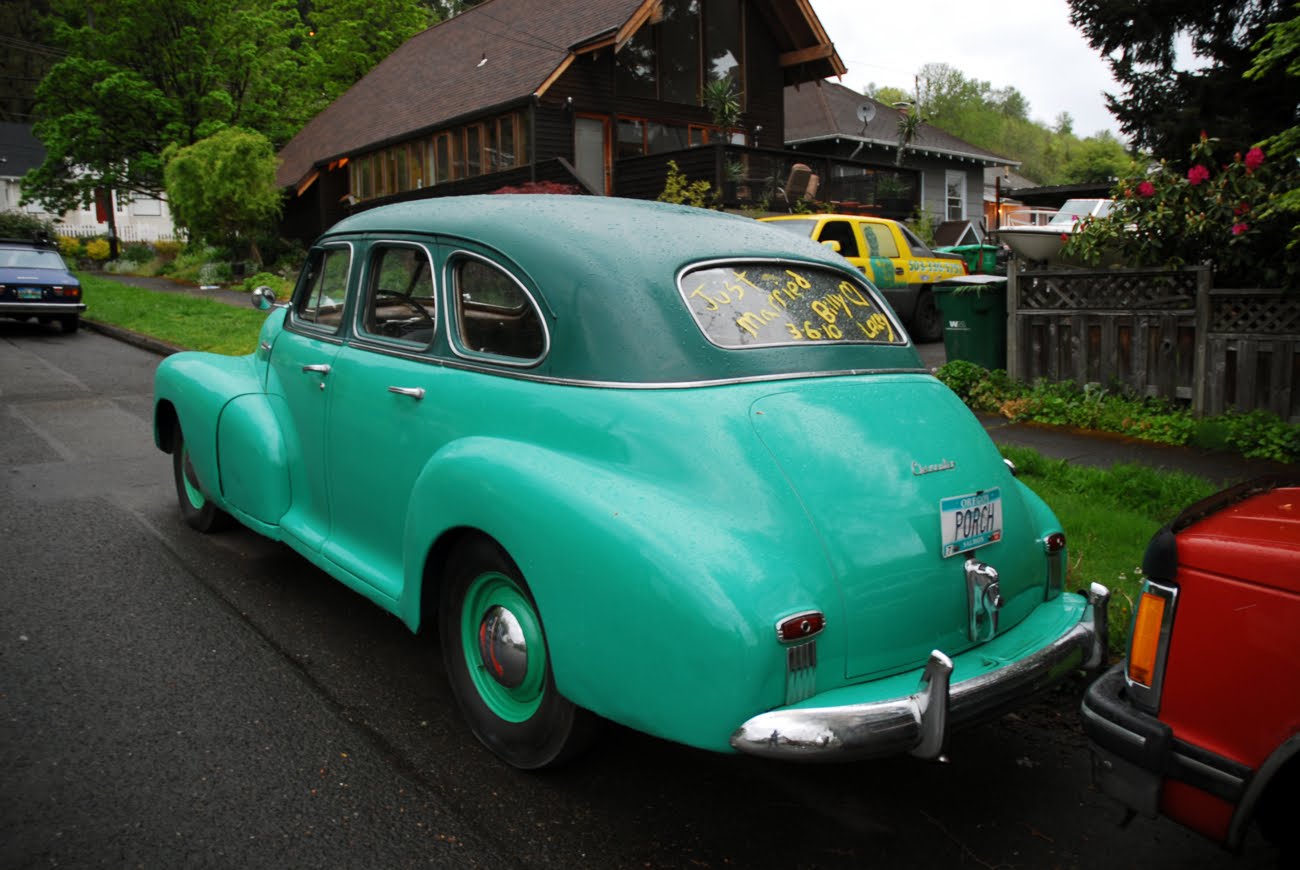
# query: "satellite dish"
[866,112]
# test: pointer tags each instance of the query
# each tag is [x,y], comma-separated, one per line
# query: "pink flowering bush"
[1217,213]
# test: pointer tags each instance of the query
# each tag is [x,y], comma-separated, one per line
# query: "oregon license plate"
[30,293]
[971,521]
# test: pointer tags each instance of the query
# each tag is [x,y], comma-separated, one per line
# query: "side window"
[324,288]
[919,248]
[880,242]
[842,232]
[494,314]
[399,298]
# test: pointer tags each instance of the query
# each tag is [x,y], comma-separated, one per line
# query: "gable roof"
[830,111]
[498,54]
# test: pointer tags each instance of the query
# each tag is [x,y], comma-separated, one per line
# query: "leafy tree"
[1101,158]
[1280,49]
[141,75]
[351,36]
[1163,108]
[222,188]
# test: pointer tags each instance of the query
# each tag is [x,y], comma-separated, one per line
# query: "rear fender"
[638,583]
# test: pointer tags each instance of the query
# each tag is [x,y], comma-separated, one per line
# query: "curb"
[144,342]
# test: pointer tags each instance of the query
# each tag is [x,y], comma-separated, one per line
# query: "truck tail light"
[1149,643]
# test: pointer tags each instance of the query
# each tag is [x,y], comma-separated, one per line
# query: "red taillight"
[801,626]
[1055,542]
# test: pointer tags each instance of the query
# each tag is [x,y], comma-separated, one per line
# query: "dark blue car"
[35,282]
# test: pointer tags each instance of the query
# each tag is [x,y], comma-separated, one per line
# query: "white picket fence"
[127,232]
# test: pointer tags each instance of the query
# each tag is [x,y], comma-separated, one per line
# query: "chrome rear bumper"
[919,723]
[35,309]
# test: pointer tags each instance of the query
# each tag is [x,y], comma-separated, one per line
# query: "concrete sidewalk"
[1096,449]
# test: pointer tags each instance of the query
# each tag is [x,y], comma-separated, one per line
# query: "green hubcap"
[505,653]
[192,491]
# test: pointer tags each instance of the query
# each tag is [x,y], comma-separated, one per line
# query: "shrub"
[98,249]
[136,253]
[283,287]
[541,187]
[681,190]
[1224,214]
[1258,434]
[71,248]
[20,225]
[167,249]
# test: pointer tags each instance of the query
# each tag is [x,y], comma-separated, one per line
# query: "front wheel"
[495,653]
[196,509]
[927,322]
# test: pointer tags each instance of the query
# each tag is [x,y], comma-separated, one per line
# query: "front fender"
[638,580]
[192,388]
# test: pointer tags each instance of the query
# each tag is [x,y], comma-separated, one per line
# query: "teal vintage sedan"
[636,462]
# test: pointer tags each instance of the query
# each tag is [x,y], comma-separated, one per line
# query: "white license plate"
[30,293]
[971,521]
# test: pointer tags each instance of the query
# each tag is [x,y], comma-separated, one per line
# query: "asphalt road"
[169,699]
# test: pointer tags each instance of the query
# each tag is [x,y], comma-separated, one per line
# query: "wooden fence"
[1157,333]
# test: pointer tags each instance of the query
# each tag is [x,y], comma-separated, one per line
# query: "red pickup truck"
[1201,721]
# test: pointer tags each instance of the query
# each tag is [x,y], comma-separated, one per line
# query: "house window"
[442,158]
[631,137]
[722,42]
[474,150]
[693,42]
[956,188]
[505,157]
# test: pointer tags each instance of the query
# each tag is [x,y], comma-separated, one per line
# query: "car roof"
[606,270]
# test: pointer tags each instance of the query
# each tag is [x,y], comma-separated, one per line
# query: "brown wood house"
[594,93]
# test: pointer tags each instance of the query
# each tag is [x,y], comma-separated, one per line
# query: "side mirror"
[832,244]
[263,298]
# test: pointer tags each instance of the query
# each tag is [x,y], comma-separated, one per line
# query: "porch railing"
[747,177]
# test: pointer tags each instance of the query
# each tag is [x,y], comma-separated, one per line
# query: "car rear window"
[14,258]
[741,305]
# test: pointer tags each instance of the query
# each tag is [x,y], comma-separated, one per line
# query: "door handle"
[416,393]
[323,368]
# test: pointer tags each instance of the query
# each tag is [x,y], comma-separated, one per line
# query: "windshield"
[742,305]
[21,258]
[798,226]
[1076,210]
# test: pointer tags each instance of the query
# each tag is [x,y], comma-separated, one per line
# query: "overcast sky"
[1029,45]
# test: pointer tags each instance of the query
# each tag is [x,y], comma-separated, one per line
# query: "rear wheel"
[196,509]
[69,323]
[494,649]
[927,323]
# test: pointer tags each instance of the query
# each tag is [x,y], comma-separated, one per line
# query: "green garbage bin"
[980,259]
[974,313]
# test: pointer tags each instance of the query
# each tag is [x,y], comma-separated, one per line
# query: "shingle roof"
[828,110]
[499,51]
[496,53]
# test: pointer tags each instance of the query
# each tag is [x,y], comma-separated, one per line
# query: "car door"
[299,381]
[387,413]
[396,401]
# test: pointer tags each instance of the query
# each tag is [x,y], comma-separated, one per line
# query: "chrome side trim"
[918,723]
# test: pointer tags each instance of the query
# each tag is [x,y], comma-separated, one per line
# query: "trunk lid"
[870,460]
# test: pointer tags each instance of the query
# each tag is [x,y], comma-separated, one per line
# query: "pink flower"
[1146,189]
[1241,209]
[1197,174]
[1065,237]
[1254,159]
[1238,229]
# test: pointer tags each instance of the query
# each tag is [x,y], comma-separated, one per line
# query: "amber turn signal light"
[1144,648]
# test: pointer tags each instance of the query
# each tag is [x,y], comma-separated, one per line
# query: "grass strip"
[185,321]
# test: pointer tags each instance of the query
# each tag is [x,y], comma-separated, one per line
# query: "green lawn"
[1108,515]
[185,321]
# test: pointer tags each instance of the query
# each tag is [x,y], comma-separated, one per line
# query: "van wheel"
[494,649]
